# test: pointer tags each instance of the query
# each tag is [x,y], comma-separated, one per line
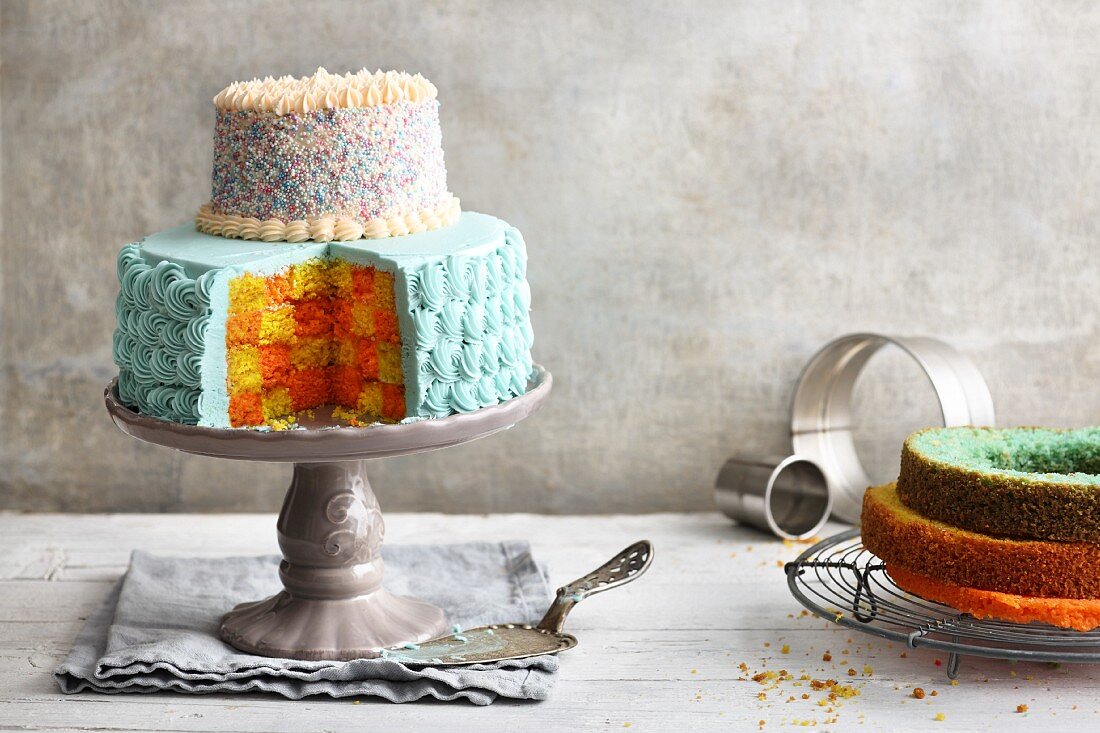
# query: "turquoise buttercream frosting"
[162,317]
[462,297]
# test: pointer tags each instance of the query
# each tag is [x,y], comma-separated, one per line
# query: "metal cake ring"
[821,416]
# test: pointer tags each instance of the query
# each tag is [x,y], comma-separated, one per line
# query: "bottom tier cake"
[243,333]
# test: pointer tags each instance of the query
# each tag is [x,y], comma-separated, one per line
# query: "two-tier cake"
[331,268]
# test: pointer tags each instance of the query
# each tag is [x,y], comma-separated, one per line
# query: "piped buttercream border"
[327,228]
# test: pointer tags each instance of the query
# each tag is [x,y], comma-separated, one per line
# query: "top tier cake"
[331,269]
[328,157]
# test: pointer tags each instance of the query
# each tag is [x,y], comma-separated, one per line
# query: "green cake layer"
[1035,483]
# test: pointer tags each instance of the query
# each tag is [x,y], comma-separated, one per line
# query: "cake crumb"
[935,692]
[786,649]
[1021,708]
[918,692]
[826,657]
[851,672]
[940,717]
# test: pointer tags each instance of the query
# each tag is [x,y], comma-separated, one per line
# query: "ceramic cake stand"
[332,605]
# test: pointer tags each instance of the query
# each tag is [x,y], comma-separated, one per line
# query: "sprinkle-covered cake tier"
[332,270]
[328,157]
[971,519]
[1020,482]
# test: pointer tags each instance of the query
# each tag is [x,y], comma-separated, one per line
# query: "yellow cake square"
[277,403]
[370,399]
[247,293]
[389,363]
[243,369]
[311,352]
[362,319]
[277,326]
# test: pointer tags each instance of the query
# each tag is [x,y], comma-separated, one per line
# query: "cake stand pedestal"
[330,529]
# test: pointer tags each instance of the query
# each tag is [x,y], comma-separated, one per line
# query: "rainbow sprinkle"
[365,163]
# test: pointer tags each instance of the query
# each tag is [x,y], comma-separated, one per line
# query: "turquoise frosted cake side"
[229,332]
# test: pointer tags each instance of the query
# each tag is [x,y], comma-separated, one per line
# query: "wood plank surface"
[662,654]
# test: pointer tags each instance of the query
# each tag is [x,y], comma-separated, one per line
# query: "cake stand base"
[330,529]
[333,607]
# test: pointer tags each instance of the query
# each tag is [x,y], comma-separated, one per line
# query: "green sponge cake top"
[1033,454]
[1037,483]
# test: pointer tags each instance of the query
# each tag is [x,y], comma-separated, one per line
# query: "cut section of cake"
[332,269]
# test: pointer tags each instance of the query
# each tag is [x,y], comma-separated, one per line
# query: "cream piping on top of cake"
[326,228]
[290,95]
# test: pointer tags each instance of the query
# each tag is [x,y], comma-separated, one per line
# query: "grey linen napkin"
[158,628]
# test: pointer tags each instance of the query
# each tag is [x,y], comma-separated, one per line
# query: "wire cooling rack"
[839,580]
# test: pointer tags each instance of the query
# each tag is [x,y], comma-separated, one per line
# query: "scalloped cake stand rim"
[335,443]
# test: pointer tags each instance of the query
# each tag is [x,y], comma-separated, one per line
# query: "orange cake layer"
[321,332]
[1046,569]
[1081,614]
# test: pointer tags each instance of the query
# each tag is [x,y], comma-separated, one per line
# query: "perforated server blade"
[498,642]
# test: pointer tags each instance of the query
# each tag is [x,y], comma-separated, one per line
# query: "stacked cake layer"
[997,523]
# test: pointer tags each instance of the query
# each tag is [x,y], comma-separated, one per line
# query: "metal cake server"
[498,642]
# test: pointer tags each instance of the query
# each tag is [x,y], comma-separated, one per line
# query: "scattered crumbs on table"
[695,671]
[954,683]
[904,655]
[1021,708]
[934,693]
[851,672]
[627,724]
[1011,673]
[918,692]
[940,717]
[804,613]
[767,644]
[785,649]
[868,670]
[826,657]
[733,554]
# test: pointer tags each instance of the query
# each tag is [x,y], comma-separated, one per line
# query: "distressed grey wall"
[707,196]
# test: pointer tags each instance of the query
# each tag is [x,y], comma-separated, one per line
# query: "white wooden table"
[662,654]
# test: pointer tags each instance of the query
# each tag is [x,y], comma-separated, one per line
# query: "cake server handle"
[619,570]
